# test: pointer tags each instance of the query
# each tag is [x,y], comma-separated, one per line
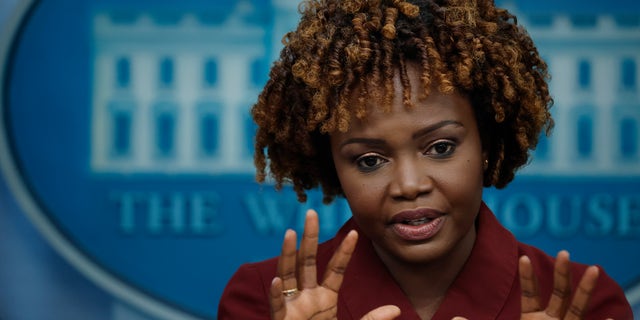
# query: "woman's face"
[413,177]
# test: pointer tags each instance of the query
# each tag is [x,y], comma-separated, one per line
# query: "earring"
[485,165]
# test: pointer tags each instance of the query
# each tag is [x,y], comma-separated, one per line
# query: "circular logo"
[126,137]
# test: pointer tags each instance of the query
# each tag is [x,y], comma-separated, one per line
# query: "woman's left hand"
[563,303]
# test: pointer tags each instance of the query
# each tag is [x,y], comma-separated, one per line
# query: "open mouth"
[417,222]
[417,228]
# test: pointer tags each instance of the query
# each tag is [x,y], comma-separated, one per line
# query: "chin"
[419,253]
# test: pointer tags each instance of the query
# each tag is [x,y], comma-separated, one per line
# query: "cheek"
[362,193]
[364,196]
[463,182]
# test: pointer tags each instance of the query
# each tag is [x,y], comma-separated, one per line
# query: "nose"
[410,179]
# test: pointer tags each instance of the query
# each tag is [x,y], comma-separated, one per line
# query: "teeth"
[417,222]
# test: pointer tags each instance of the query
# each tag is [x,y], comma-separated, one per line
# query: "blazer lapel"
[368,284]
[483,287]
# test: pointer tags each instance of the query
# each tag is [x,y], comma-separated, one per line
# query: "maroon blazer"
[487,287]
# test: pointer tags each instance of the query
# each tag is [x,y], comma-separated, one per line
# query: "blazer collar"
[479,292]
[484,284]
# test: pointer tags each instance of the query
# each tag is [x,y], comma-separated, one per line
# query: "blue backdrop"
[127,185]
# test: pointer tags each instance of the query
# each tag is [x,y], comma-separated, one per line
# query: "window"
[628,138]
[166,72]
[121,133]
[209,134]
[165,129]
[628,74]
[585,136]
[584,74]
[123,72]
[208,130]
[210,73]
[250,128]
[258,73]
[121,126]
[542,149]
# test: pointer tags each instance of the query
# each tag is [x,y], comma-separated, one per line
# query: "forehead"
[426,111]
[409,101]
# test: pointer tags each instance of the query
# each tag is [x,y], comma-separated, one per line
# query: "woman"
[408,110]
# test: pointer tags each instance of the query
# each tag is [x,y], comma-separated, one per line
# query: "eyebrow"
[419,133]
[376,142]
[436,126]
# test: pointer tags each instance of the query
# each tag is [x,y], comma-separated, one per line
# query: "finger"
[459,318]
[307,276]
[580,301]
[338,263]
[560,298]
[287,261]
[276,299]
[388,312]
[530,301]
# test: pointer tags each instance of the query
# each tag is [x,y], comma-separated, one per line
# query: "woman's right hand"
[295,292]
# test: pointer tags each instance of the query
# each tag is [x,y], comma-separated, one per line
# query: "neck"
[426,284]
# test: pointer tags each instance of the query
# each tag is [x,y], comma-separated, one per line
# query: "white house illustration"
[594,63]
[174,97]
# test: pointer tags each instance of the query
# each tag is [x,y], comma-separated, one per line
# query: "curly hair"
[465,46]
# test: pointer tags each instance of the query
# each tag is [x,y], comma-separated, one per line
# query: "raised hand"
[295,292]
[560,305]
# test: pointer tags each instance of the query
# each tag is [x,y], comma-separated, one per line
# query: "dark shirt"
[487,287]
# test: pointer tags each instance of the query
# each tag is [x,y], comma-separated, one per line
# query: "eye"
[369,162]
[441,149]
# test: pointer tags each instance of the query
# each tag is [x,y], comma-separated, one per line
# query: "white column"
[188,82]
[234,69]
[104,74]
[144,72]
[605,80]
[563,89]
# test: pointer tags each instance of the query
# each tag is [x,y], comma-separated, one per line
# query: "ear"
[485,160]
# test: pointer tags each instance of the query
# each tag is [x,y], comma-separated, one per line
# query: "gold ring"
[290,292]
